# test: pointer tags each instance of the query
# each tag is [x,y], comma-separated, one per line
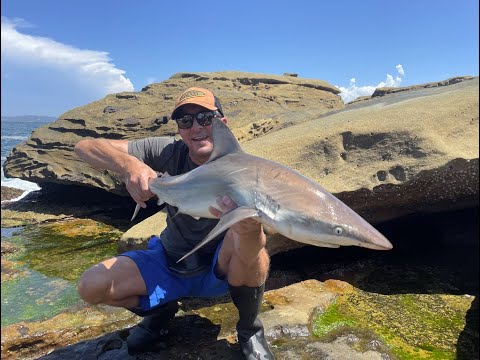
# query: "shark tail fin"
[225,222]
[135,212]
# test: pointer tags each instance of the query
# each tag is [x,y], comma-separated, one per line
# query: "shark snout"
[387,245]
[377,241]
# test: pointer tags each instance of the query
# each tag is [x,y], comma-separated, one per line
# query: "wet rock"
[9,193]
[10,270]
[307,320]
[29,340]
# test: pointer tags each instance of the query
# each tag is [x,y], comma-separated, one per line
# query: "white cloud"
[400,70]
[352,92]
[90,68]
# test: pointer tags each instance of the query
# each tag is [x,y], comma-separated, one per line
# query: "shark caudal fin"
[225,222]
[135,212]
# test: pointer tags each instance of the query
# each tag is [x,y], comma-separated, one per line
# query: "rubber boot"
[152,332]
[249,328]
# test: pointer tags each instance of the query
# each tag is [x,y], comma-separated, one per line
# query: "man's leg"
[244,262]
[118,282]
[115,282]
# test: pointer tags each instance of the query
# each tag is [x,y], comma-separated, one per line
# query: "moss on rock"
[414,326]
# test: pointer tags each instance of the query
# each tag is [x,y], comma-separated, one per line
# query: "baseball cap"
[198,96]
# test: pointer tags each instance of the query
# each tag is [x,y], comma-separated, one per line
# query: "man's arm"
[113,155]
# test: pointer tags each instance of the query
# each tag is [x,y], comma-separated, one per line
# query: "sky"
[57,55]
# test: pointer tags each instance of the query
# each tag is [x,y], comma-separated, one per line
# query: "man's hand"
[136,179]
[247,228]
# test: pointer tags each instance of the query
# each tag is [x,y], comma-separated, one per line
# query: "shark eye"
[338,230]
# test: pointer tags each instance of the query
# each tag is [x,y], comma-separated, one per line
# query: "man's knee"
[93,285]
[111,282]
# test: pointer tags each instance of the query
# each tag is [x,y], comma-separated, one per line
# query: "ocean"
[14,131]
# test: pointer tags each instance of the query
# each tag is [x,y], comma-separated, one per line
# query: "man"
[150,282]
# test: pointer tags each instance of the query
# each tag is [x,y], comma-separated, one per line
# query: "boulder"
[391,90]
[256,104]
[388,157]
[406,152]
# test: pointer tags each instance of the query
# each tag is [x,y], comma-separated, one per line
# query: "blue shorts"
[164,285]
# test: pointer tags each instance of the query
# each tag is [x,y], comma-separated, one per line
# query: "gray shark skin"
[273,194]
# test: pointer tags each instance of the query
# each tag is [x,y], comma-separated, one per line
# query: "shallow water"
[47,266]
[8,232]
[35,297]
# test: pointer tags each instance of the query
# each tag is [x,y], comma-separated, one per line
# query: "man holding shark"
[149,282]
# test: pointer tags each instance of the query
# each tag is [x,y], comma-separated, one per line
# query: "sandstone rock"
[28,340]
[302,321]
[9,193]
[136,238]
[48,157]
[403,153]
[391,90]
[388,157]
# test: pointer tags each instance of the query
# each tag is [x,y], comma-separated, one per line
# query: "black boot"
[151,333]
[249,328]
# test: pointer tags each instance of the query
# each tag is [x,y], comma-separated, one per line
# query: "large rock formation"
[255,103]
[404,153]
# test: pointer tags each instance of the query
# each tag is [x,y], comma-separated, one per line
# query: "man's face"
[198,138]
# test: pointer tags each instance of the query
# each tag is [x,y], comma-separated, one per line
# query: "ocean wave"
[14,137]
[20,184]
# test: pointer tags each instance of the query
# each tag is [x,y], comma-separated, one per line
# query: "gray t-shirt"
[182,232]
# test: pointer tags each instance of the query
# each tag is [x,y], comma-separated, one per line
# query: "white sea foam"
[20,184]
[14,137]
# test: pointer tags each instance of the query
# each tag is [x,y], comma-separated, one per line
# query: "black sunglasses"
[203,118]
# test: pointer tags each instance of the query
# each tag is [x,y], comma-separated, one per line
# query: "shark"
[282,199]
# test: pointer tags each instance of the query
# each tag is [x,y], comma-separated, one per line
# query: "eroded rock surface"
[255,103]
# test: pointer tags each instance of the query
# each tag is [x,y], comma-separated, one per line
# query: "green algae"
[330,320]
[414,326]
[35,297]
[52,257]
[65,250]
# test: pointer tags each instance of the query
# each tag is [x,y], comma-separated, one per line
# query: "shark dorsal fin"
[224,142]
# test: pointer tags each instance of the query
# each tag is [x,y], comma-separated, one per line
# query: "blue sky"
[57,55]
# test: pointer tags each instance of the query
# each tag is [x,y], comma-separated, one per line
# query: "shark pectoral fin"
[225,222]
[135,212]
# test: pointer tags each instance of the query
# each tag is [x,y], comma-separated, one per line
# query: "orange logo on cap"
[190,94]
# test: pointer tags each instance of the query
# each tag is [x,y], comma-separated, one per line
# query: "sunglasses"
[203,118]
